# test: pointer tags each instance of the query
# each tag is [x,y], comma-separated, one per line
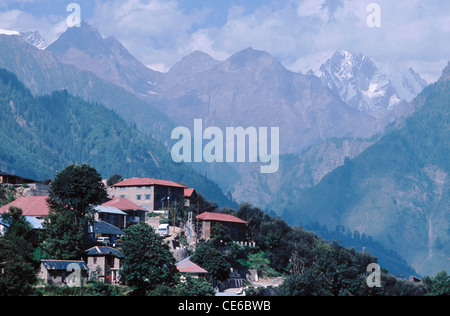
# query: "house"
[190,196]
[35,206]
[187,267]
[150,194]
[6,178]
[102,229]
[415,279]
[135,213]
[236,227]
[64,272]
[111,215]
[104,264]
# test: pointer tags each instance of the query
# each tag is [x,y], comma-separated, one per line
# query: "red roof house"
[236,227]
[135,213]
[148,182]
[123,204]
[151,194]
[188,267]
[31,206]
[218,217]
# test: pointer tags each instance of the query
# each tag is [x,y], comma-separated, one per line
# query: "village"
[129,202]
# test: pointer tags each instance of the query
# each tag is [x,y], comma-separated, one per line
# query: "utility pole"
[174,216]
[196,223]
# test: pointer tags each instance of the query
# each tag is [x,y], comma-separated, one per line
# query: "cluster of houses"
[129,202]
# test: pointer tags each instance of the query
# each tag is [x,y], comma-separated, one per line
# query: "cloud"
[300,33]
[21,21]
[154,30]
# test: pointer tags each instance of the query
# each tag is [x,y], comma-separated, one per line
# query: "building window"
[138,197]
[147,188]
[148,196]
[122,196]
[122,188]
[139,188]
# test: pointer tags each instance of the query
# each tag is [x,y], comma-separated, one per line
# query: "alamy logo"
[374,18]
[229,147]
[74,19]
[374,278]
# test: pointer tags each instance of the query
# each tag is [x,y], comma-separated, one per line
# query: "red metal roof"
[30,205]
[187,266]
[123,204]
[188,192]
[148,182]
[220,218]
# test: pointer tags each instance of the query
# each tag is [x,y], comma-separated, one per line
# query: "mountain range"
[326,121]
[43,73]
[250,88]
[85,48]
[397,190]
[369,86]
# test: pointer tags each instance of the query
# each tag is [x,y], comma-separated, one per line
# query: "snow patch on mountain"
[8,32]
[368,85]
[35,39]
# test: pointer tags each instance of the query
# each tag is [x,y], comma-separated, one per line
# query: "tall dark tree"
[72,195]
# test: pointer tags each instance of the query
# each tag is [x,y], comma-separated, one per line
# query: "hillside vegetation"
[396,191]
[41,135]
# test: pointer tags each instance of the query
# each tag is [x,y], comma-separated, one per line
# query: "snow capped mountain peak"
[367,85]
[32,37]
[35,39]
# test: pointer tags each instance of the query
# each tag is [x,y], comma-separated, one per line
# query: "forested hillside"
[398,190]
[41,135]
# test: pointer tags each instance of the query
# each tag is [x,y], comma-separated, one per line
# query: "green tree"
[210,259]
[16,256]
[72,195]
[440,285]
[148,262]
[77,187]
[309,283]
[219,236]
[339,268]
[195,287]
[116,178]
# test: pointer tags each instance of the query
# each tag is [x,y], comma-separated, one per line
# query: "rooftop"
[188,192]
[104,228]
[33,221]
[63,265]
[109,210]
[220,218]
[187,266]
[148,182]
[123,205]
[30,205]
[104,251]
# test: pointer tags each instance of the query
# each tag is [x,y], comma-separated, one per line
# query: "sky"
[302,34]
